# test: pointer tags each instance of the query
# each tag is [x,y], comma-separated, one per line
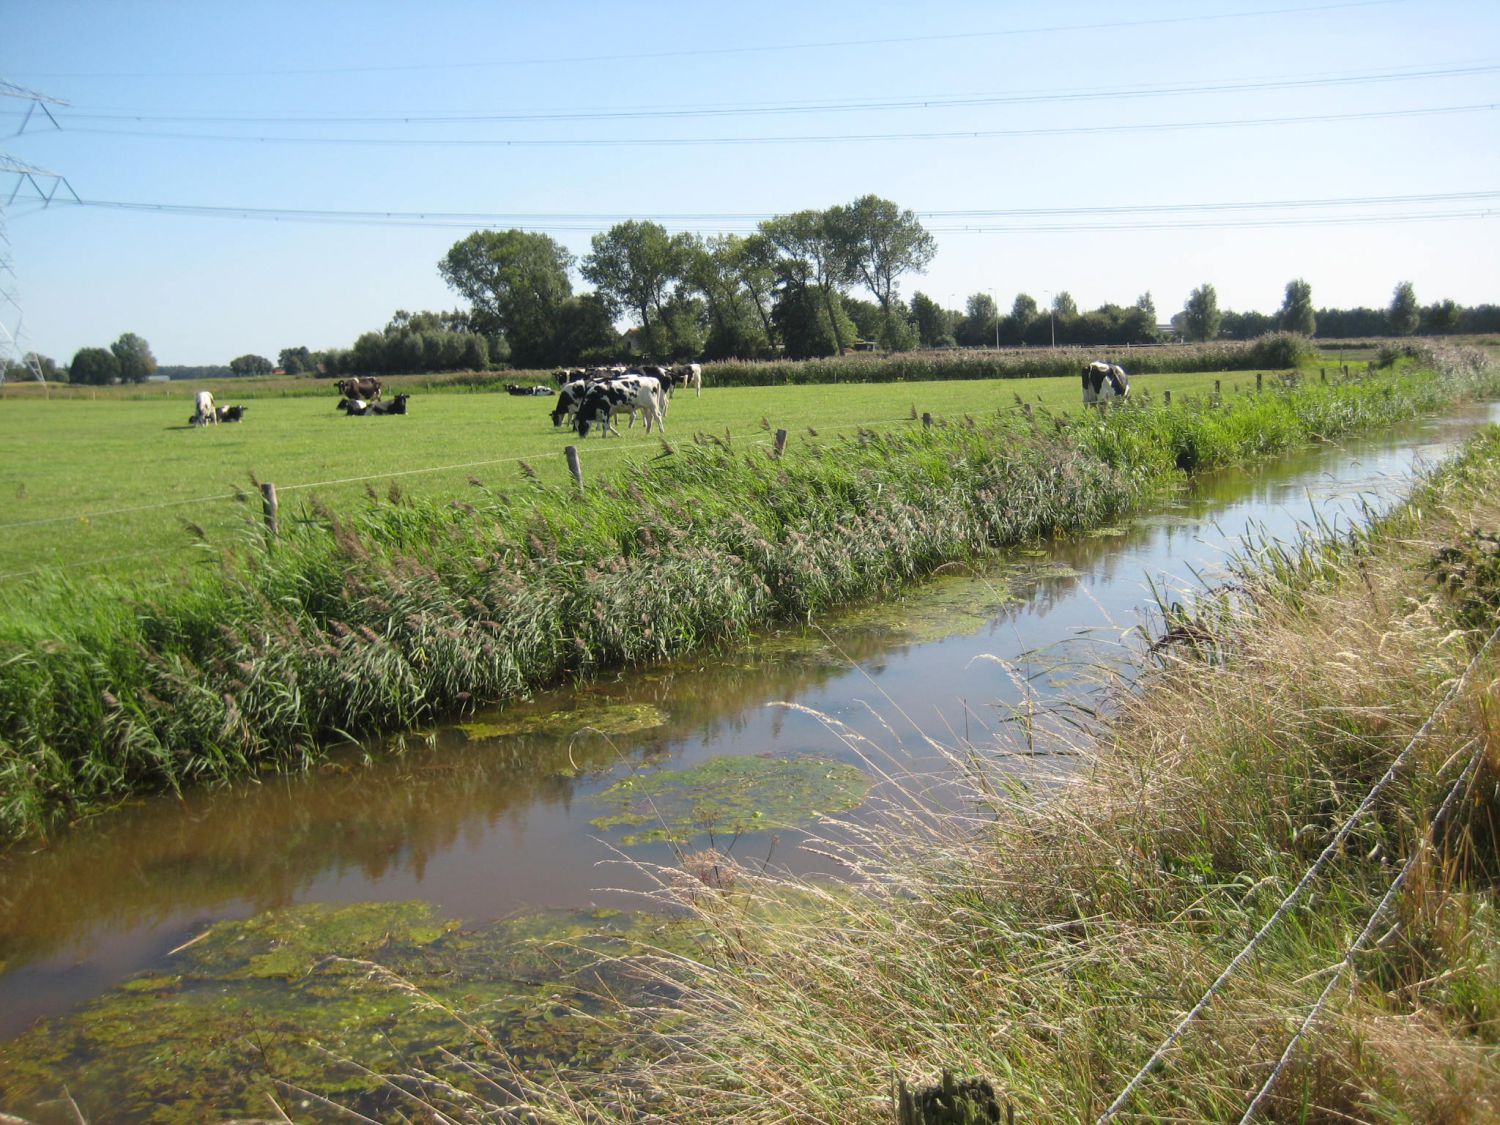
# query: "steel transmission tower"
[21,180]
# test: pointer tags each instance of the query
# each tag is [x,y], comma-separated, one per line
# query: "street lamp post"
[1051,315]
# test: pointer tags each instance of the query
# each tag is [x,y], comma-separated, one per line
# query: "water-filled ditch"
[118,933]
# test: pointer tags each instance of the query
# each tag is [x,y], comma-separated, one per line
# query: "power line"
[824,138]
[914,102]
[704,52]
[733,222]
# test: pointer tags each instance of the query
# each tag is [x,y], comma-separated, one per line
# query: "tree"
[736,285]
[1405,314]
[980,323]
[1201,318]
[97,366]
[296,361]
[250,364]
[634,264]
[517,282]
[1443,317]
[1296,313]
[878,242]
[1063,306]
[586,331]
[135,358]
[933,322]
[1148,310]
[809,259]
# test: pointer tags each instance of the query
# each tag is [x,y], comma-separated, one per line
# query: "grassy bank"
[1048,939]
[355,623]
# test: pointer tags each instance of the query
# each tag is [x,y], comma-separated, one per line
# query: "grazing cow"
[397,405]
[689,375]
[366,387]
[1104,381]
[204,413]
[602,401]
[569,399]
[232,413]
[353,406]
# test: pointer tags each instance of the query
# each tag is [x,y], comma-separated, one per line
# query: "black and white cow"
[232,413]
[689,375]
[353,407]
[569,399]
[397,405]
[624,395]
[1103,382]
[523,389]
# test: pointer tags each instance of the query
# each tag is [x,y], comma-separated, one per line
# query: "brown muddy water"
[538,807]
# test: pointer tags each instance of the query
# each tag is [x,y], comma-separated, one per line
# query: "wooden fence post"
[780,443]
[1166,397]
[1346,371]
[1322,374]
[926,420]
[1258,377]
[268,502]
[574,466]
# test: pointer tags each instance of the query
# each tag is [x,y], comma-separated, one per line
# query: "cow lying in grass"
[353,406]
[519,389]
[397,405]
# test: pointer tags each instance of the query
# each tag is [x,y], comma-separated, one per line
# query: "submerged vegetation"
[1044,942]
[350,624]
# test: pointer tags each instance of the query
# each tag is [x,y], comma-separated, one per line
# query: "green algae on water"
[278,1002]
[730,795]
[606,718]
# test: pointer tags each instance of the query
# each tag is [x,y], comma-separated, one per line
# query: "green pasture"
[125,485]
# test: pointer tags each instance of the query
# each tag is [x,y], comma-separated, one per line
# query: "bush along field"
[354,623]
[1292,819]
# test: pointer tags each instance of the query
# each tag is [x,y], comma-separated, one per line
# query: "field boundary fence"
[1337,840]
[245,495]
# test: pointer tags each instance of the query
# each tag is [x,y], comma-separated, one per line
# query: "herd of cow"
[589,397]
[593,397]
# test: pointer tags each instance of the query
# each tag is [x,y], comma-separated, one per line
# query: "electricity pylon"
[21,179]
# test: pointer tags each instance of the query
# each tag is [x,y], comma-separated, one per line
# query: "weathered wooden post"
[1026,410]
[1258,377]
[926,420]
[268,502]
[780,443]
[574,465]
[1322,374]
[1346,371]
[1166,398]
[969,1101]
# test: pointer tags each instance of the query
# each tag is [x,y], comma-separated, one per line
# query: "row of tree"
[1405,316]
[783,290]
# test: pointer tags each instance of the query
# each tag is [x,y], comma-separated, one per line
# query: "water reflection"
[482,828]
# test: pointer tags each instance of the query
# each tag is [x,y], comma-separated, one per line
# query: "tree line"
[808,284]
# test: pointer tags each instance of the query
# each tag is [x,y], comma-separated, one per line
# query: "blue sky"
[1120,123]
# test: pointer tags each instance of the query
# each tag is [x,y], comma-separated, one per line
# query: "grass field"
[110,482]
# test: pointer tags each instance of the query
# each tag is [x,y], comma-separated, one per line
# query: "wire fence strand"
[1347,962]
[1296,892]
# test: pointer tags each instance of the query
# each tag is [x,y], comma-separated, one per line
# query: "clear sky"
[1093,147]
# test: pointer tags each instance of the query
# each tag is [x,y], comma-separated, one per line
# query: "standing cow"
[1103,382]
[204,413]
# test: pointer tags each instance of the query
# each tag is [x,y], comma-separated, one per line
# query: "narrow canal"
[502,813]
